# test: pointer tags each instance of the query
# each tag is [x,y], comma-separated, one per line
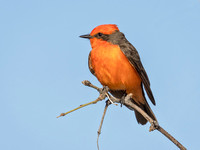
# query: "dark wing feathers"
[90,64]
[131,53]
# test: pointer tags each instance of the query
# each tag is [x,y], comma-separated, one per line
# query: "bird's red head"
[100,32]
[105,29]
[98,35]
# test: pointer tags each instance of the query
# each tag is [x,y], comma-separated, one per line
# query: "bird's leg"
[122,100]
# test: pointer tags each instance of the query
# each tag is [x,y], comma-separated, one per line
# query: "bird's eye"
[100,34]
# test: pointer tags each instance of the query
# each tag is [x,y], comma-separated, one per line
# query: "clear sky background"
[43,61]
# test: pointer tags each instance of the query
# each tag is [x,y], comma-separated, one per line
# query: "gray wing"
[131,53]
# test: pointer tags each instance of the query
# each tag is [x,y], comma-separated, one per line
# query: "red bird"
[116,64]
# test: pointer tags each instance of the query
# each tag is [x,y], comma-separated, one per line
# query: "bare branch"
[103,93]
[81,106]
[154,124]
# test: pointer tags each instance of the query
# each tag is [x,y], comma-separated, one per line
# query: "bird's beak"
[87,36]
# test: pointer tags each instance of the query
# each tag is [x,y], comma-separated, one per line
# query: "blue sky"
[43,61]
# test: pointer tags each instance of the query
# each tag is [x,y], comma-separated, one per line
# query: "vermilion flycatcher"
[116,64]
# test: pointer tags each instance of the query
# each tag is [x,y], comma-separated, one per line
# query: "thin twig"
[102,119]
[171,138]
[102,95]
[89,84]
[81,106]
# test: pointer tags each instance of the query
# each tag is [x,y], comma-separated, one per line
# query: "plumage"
[116,64]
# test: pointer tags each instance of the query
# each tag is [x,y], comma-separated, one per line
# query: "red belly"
[113,69]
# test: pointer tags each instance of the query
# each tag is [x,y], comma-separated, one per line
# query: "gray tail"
[147,109]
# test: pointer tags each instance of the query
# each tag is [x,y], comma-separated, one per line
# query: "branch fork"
[104,92]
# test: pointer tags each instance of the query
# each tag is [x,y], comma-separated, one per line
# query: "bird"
[115,62]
